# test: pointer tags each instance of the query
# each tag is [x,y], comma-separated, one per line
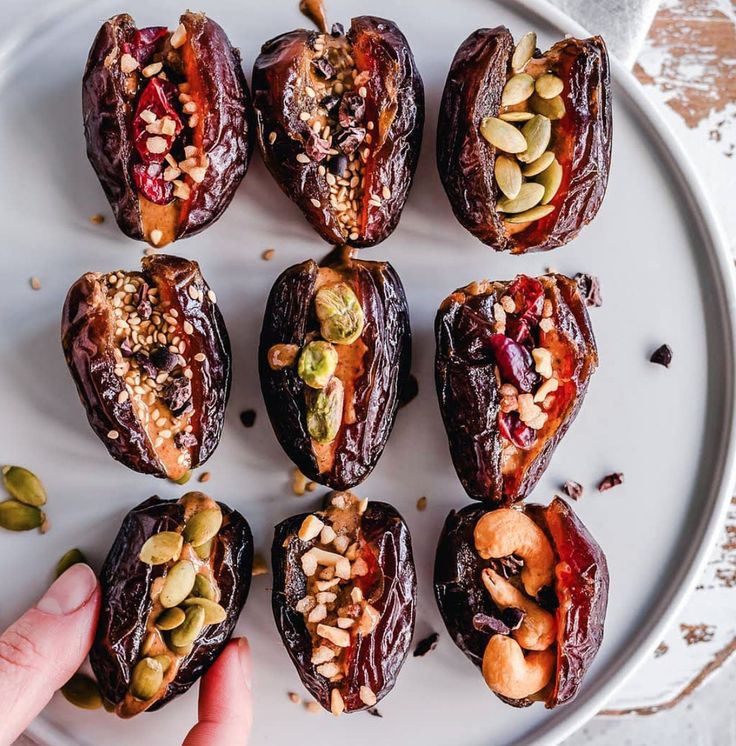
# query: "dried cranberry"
[158,97]
[316,148]
[150,182]
[528,296]
[348,140]
[352,109]
[515,431]
[514,361]
[145,41]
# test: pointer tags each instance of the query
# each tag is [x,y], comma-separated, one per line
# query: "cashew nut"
[507,531]
[538,629]
[509,673]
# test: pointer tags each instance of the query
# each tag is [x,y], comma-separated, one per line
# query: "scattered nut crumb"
[97,219]
[295,698]
[313,707]
[205,476]
[267,255]
[695,633]
[374,711]
[662,356]
[35,283]
[259,565]
[298,483]
[590,287]
[422,503]
[248,417]
[311,486]
[426,645]
[611,480]
[662,648]
[573,489]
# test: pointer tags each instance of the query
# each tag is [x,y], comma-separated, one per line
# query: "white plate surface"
[665,278]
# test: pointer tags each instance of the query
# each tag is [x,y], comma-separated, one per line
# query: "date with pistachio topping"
[167,123]
[334,357]
[524,138]
[339,122]
[173,586]
[344,599]
[150,356]
[512,367]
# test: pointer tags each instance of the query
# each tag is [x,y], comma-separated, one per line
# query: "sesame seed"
[211,295]
[113,434]
[193,292]
[188,328]
[316,202]
[200,357]
[123,396]
[302,158]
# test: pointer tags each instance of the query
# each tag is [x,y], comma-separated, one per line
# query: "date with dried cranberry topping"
[150,356]
[533,634]
[524,138]
[173,586]
[512,367]
[334,357]
[167,123]
[344,599]
[339,122]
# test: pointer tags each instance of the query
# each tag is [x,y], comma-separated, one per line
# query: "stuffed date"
[173,586]
[166,118]
[344,597]
[512,368]
[334,356]
[524,138]
[523,593]
[339,122]
[150,357]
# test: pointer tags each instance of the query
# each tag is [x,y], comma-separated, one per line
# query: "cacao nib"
[338,164]
[352,109]
[323,67]
[610,481]
[178,395]
[662,356]
[490,624]
[316,148]
[573,490]
[185,440]
[330,102]
[146,364]
[349,139]
[426,645]
[248,417]
[163,359]
[590,287]
[337,30]
[374,711]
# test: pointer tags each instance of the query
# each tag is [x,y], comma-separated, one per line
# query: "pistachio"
[537,132]
[548,86]
[161,548]
[317,364]
[82,691]
[536,167]
[340,314]
[186,633]
[508,176]
[324,411]
[528,216]
[502,135]
[203,526]
[165,661]
[24,485]
[72,557]
[146,679]
[213,612]
[203,550]
[550,179]
[203,588]
[552,108]
[17,516]
[529,195]
[524,51]
[169,619]
[516,116]
[518,88]
[178,584]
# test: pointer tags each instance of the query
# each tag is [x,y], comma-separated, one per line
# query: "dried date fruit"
[173,586]
[339,122]
[334,357]
[533,634]
[167,123]
[344,599]
[150,356]
[524,138]
[512,368]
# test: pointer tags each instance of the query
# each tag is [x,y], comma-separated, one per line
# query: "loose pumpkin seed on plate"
[161,548]
[24,485]
[213,612]
[508,176]
[146,679]
[529,196]
[524,51]
[516,116]
[502,135]
[537,133]
[528,216]
[82,691]
[72,557]
[550,179]
[203,526]
[17,516]
[536,167]
[178,584]
[552,108]
[518,88]
[549,86]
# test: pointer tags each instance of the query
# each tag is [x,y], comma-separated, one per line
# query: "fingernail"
[69,592]
[245,661]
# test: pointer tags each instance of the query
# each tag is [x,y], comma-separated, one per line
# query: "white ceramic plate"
[665,278]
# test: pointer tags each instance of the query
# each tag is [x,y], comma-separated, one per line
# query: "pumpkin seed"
[324,411]
[203,588]
[537,133]
[184,478]
[529,196]
[552,108]
[24,485]
[340,314]
[203,550]
[203,526]
[536,167]
[165,661]
[529,215]
[187,632]
[550,179]
[502,135]
[72,557]
[148,642]
[161,548]
[146,679]
[82,691]
[317,364]
[508,176]
[518,88]
[169,619]
[524,51]
[181,651]
[178,584]
[549,86]
[213,612]
[516,116]
[16,516]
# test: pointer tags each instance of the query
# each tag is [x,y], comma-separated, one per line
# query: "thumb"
[42,650]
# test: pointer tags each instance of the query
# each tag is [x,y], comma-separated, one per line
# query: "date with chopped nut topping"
[150,356]
[334,355]
[166,117]
[344,599]
[339,122]
[512,366]
[524,138]
[534,634]
[173,586]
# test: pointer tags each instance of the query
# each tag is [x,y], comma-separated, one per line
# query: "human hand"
[46,646]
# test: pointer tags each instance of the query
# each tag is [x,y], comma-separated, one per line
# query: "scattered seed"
[426,645]
[422,503]
[260,567]
[24,485]
[16,516]
[524,51]
[572,489]
[267,255]
[204,476]
[313,707]
[35,283]
[662,356]
[69,558]
[248,417]
[185,477]
[503,135]
[82,691]
[97,219]
[611,480]
[508,176]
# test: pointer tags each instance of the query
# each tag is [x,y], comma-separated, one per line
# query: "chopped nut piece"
[268,254]
[546,325]
[550,385]
[298,482]
[97,219]
[362,506]
[156,144]
[309,564]
[507,303]
[156,236]
[341,543]
[611,480]
[35,283]
[260,567]
[356,595]
[322,654]
[295,698]
[542,361]
[337,705]
[369,620]
[367,697]
[344,622]
[317,614]
[313,708]
[327,535]
[573,490]
[153,69]
[305,605]
[338,636]
[422,503]
[326,597]
[310,528]
[128,63]
[325,585]
[328,670]
[204,476]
